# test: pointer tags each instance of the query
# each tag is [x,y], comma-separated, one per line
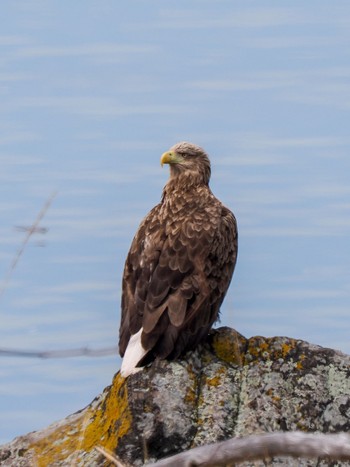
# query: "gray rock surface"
[228,387]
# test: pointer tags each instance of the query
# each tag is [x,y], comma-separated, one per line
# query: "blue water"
[90,98]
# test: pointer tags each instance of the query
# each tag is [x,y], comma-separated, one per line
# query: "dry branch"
[30,231]
[108,455]
[296,444]
[66,353]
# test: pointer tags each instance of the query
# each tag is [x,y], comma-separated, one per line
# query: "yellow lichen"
[256,348]
[191,392]
[111,421]
[228,348]
[299,365]
[214,381]
[286,348]
[270,348]
[101,425]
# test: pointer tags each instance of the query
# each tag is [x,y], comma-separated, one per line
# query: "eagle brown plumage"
[179,265]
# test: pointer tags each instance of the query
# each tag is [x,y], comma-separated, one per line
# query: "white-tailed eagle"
[179,265]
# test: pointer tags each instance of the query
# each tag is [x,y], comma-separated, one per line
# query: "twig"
[30,231]
[81,352]
[108,455]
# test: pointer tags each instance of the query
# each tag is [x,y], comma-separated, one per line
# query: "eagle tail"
[134,353]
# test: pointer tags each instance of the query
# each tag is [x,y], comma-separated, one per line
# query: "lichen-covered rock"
[72,441]
[228,387]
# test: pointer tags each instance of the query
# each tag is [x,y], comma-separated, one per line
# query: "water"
[90,98]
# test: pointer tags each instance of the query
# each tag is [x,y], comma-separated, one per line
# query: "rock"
[230,386]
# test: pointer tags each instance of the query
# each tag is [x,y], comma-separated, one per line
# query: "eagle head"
[188,161]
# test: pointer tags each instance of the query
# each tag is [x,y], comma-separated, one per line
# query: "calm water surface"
[91,97]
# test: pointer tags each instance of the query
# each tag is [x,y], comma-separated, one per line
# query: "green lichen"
[338,381]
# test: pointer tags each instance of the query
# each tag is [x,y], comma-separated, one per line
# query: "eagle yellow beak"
[170,157]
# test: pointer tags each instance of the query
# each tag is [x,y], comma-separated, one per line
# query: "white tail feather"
[133,354]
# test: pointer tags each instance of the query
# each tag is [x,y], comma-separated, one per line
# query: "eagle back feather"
[178,269]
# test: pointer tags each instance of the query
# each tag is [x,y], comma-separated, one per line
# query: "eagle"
[179,266]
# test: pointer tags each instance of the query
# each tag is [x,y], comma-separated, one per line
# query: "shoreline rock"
[230,386]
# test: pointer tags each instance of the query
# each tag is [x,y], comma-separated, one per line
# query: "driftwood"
[297,444]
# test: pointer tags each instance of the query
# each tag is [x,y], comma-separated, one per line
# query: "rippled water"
[91,97]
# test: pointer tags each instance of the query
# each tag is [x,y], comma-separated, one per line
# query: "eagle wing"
[176,276]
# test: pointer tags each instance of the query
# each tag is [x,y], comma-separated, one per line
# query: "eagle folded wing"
[176,274]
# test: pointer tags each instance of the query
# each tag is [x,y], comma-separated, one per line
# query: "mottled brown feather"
[180,263]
